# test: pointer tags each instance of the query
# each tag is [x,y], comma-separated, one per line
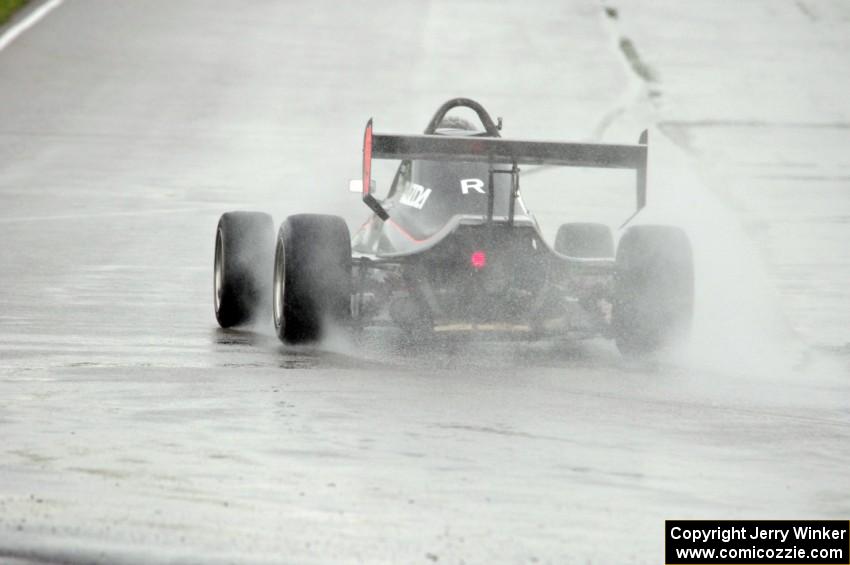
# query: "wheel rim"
[279,285]
[218,278]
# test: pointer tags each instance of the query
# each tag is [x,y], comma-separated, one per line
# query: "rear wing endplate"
[496,150]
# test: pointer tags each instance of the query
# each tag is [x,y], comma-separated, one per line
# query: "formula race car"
[452,248]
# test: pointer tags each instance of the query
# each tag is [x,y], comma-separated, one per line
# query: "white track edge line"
[16,30]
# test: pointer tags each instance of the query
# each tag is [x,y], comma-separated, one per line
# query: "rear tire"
[242,268]
[585,240]
[312,277]
[653,289]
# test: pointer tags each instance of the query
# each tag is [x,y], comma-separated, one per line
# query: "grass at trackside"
[8,7]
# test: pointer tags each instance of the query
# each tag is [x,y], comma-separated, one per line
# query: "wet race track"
[133,430]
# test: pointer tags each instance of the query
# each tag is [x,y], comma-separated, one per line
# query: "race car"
[453,248]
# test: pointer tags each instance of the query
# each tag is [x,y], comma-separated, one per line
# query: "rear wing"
[495,150]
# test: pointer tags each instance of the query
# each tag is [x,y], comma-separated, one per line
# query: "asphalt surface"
[133,430]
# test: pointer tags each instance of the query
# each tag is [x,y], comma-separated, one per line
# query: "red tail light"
[478,259]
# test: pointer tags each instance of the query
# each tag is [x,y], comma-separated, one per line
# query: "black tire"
[585,240]
[312,277]
[242,268]
[653,289]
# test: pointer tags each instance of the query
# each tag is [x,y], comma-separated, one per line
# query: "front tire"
[312,277]
[585,240]
[653,289]
[242,267]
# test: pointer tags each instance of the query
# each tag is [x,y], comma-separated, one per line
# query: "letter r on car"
[473,184]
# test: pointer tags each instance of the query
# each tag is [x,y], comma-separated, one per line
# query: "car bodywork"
[452,247]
